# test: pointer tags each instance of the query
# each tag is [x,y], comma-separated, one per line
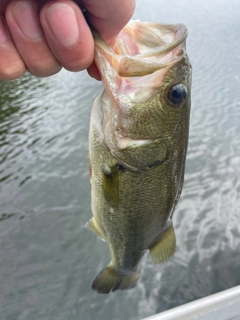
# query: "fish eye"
[177,93]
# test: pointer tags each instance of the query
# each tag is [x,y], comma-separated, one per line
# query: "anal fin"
[92,225]
[163,247]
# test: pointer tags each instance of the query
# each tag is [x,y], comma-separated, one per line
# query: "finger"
[94,72]
[24,24]
[109,17]
[3,6]
[68,34]
[11,64]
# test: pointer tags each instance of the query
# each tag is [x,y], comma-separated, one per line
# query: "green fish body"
[137,146]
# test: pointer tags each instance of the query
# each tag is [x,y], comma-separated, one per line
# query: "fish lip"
[170,36]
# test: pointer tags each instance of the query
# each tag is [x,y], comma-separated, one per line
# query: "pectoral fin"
[163,247]
[92,225]
[110,184]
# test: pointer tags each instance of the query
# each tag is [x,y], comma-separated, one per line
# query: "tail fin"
[111,280]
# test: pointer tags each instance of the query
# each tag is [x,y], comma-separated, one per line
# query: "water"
[47,260]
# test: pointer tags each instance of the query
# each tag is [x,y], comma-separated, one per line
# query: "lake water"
[47,260]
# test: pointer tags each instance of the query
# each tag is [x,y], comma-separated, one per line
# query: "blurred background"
[47,260]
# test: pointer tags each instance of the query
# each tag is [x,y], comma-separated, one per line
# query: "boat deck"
[224,305]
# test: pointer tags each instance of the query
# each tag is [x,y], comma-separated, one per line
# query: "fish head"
[147,78]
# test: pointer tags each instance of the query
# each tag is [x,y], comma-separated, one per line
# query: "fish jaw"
[142,48]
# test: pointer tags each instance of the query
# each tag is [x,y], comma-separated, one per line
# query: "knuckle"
[12,72]
[11,64]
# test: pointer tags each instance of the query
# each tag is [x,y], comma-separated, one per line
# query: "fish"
[138,140]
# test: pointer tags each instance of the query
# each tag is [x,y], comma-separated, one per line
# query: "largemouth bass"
[137,143]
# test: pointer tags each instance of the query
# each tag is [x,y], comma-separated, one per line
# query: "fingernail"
[3,31]
[25,14]
[63,23]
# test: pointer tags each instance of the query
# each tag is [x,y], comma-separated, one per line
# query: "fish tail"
[111,279]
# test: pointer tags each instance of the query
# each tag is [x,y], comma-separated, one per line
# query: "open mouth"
[142,48]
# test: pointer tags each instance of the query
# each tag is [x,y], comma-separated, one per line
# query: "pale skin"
[44,36]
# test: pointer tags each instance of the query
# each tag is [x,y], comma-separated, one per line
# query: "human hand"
[44,36]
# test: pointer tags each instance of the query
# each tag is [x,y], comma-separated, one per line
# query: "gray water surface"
[47,260]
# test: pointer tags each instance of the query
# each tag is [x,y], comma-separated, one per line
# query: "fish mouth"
[142,48]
